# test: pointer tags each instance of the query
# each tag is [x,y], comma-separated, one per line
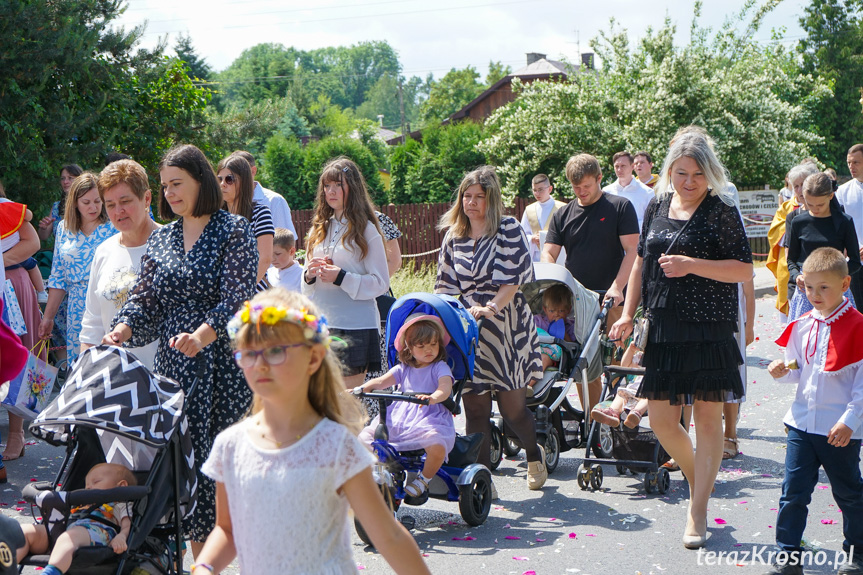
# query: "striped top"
[262,225]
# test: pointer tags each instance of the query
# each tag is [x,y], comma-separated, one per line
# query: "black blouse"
[806,233]
[715,233]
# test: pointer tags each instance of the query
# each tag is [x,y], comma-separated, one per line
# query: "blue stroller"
[461,478]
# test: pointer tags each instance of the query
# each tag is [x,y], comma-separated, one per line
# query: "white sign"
[758,208]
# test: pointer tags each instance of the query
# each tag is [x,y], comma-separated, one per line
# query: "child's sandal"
[632,420]
[417,487]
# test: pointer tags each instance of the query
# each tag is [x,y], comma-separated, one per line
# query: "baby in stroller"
[421,344]
[104,526]
[555,320]
[625,398]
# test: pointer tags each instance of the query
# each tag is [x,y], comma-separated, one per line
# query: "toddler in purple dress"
[421,343]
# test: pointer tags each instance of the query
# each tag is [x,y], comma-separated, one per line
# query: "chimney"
[534,57]
[587,60]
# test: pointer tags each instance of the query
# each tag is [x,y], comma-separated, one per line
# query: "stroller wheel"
[596,476]
[663,480]
[510,448]
[552,450]
[621,470]
[393,505]
[601,441]
[474,499]
[497,443]
[650,482]
[584,478]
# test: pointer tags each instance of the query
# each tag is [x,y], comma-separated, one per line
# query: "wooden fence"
[421,240]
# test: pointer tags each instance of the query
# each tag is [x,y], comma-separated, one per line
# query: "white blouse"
[112,278]
[351,305]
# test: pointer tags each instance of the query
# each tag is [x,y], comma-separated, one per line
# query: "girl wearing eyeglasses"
[238,187]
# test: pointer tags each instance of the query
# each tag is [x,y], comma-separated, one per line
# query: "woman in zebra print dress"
[483,261]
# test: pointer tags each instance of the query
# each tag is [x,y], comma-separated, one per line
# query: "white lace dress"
[286,513]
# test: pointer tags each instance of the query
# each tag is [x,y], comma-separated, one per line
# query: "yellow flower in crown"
[273,315]
[314,327]
[246,313]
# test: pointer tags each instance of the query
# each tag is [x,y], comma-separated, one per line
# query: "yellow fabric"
[776,261]
[532,212]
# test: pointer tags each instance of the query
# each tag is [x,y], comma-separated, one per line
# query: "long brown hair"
[242,172]
[358,206]
[326,386]
[457,221]
[81,186]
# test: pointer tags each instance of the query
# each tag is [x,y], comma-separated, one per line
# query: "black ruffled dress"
[691,353]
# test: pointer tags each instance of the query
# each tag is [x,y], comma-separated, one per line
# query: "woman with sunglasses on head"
[346,267]
[197,271]
[238,187]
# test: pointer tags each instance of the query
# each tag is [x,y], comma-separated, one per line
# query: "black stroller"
[112,409]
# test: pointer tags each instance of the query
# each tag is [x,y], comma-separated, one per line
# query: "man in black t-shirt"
[600,234]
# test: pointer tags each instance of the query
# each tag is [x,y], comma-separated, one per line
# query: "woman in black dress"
[693,250]
[195,274]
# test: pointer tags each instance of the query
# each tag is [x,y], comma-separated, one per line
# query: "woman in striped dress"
[238,188]
[483,261]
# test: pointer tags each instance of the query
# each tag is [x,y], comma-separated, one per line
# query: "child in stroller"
[555,320]
[625,401]
[107,525]
[421,344]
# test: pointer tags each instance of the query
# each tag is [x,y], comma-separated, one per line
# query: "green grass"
[413,278]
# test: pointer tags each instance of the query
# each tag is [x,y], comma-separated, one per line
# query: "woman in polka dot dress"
[195,274]
[692,252]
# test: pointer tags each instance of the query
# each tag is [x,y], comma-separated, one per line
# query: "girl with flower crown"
[299,449]
[346,266]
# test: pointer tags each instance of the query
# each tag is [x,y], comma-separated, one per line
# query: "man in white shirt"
[628,186]
[850,195]
[537,216]
[273,200]
[643,166]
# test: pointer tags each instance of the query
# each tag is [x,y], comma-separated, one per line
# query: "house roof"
[542,68]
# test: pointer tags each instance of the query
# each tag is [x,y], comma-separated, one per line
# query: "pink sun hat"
[14,354]
[414,318]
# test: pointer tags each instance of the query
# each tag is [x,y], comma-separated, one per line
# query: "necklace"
[277,443]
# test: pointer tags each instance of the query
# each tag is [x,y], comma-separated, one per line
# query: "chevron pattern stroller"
[112,409]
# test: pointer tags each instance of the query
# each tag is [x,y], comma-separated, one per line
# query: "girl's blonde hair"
[423,331]
[358,206]
[326,386]
[80,187]
[456,220]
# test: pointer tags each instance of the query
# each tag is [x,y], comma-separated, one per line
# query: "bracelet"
[204,565]
[493,306]
[340,278]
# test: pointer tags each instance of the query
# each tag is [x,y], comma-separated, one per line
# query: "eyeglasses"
[229,179]
[276,355]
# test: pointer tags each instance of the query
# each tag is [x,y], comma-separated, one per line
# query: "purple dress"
[414,426]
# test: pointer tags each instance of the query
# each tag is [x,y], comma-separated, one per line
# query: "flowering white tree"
[752,99]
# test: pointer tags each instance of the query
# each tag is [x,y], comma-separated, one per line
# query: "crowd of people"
[216,300]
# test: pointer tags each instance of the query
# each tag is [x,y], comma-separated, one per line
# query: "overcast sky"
[429,36]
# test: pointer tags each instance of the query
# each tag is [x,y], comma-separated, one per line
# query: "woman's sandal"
[417,487]
[730,452]
[670,465]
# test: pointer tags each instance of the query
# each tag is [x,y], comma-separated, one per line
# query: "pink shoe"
[606,415]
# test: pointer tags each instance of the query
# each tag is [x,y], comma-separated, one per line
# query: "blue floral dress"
[70,271]
[177,291]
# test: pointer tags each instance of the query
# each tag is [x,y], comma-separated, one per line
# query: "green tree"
[496,71]
[283,170]
[241,127]
[198,67]
[833,51]
[450,94]
[320,152]
[752,99]
[262,72]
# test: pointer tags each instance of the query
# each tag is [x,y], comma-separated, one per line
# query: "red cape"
[11,217]
[845,339]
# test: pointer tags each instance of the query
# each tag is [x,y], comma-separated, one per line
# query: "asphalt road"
[616,530]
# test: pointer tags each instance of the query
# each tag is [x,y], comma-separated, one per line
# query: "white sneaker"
[494,496]
[42,297]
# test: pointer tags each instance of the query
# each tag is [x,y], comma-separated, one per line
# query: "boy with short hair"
[824,356]
[285,271]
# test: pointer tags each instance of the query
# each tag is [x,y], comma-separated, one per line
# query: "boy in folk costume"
[537,216]
[824,356]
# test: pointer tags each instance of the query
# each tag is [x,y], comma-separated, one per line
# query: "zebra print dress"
[473,270]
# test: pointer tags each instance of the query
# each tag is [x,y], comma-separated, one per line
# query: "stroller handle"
[619,370]
[408,396]
[91,496]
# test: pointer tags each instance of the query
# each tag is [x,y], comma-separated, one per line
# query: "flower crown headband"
[314,327]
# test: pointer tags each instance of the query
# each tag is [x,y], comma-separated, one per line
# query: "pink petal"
[827,521]
[512,537]
[572,535]
[823,487]
[465,538]
[742,502]
[531,572]
[590,535]
[538,540]
[520,558]
[553,519]
[720,521]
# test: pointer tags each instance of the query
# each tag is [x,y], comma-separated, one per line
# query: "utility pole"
[402,111]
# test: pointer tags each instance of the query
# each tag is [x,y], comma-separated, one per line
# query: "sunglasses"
[229,179]
[276,355]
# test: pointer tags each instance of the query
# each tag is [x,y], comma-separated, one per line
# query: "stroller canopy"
[585,303]
[460,325]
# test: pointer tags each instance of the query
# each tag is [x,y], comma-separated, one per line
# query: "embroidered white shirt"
[822,399]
